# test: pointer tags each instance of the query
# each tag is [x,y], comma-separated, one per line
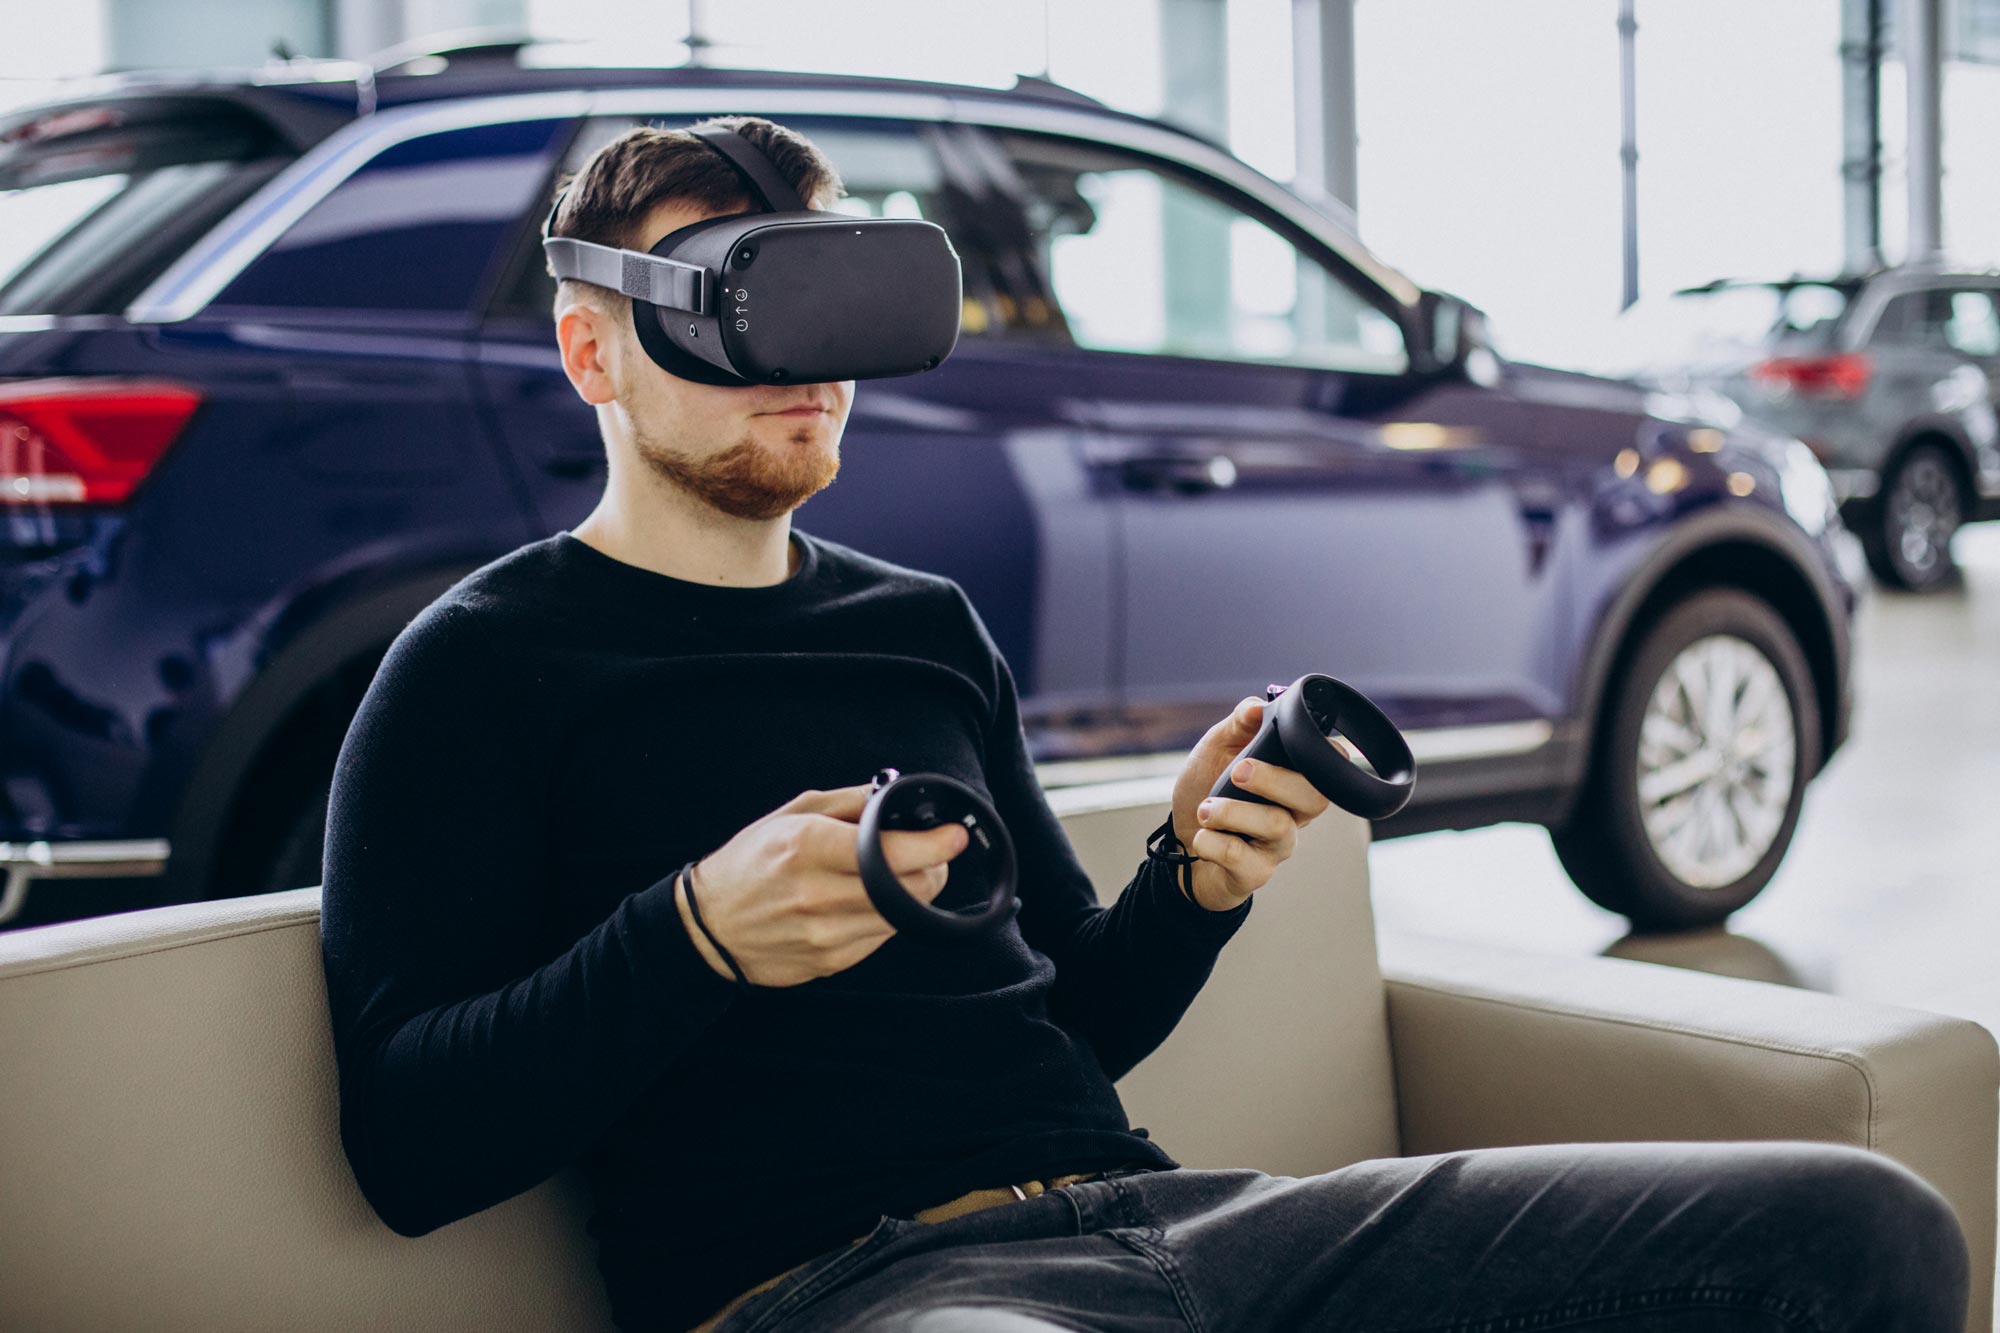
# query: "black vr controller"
[1296,734]
[922,801]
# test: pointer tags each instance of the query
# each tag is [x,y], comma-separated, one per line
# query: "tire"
[1674,873]
[277,840]
[297,861]
[1908,526]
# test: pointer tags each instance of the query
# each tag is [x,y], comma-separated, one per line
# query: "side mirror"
[1456,341]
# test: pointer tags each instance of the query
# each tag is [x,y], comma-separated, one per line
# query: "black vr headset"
[789,295]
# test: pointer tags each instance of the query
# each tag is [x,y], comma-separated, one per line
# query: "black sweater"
[512,988]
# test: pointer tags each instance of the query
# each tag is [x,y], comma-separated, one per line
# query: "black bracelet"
[686,876]
[1171,851]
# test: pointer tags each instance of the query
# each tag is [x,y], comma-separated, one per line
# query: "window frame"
[1242,205]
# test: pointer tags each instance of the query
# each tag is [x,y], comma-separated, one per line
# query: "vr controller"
[1311,712]
[923,801]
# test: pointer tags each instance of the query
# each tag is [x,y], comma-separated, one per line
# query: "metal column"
[1195,234]
[1923,71]
[1323,97]
[1628,148]
[1861,132]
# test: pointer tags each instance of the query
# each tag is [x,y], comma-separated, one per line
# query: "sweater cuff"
[1161,882]
[682,978]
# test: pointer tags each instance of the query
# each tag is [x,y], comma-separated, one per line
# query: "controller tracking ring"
[1300,718]
[921,801]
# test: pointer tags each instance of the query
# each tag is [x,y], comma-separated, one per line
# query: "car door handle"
[1178,472]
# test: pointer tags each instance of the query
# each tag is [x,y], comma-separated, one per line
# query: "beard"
[748,479]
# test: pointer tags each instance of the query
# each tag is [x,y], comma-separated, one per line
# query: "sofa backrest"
[169,1144]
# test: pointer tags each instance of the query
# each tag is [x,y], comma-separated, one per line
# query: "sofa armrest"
[1495,1048]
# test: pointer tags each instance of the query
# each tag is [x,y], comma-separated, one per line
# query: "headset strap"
[664,282]
[667,282]
[767,187]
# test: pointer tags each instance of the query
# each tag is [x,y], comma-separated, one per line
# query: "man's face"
[755,452]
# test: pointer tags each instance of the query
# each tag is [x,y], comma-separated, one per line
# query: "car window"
[888,169]
[418,228]
[1146,258]
[1914,319]
[96,202]
[1973,326]
[1809,309]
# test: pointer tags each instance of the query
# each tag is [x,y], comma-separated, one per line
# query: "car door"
[1287,498]
[972,470]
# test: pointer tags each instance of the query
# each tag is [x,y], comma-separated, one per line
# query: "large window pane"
[1143,260]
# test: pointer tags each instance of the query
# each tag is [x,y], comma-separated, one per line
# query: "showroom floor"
[1891,890]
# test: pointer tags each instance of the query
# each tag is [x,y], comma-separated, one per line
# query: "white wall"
[1489,139]
[46,43]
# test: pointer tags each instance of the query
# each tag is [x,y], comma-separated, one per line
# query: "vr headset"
[789,295]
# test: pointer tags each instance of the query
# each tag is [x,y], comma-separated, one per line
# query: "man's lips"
[797,412]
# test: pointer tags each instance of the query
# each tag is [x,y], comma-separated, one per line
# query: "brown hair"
[610,196]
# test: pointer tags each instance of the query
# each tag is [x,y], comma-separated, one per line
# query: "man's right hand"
[785,896]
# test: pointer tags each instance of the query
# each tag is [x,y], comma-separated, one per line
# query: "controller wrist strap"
[1164,846]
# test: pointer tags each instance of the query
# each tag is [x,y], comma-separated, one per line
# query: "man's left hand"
[1240,843]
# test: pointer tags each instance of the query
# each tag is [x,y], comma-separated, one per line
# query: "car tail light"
[1841,376]
[85,441]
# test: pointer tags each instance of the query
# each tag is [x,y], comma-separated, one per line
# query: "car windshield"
[93,208]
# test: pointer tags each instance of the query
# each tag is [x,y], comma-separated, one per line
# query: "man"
[862,1130]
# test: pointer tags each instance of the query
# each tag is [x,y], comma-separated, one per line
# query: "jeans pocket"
[818,1277]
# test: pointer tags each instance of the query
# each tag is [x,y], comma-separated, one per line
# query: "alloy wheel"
[1923,513]
[1716,764]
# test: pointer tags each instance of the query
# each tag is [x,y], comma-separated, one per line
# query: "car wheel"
[1908,531]
[296,861]
[1707,740]
[276,838]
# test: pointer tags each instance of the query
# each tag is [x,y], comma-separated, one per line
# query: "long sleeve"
[1125,973]
[470,1068]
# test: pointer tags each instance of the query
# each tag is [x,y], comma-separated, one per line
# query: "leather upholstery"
[170,1156]
[1495,1049]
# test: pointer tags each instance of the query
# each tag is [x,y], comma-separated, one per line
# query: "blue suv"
[277,366]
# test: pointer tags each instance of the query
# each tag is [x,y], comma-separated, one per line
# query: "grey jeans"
[1719,1236]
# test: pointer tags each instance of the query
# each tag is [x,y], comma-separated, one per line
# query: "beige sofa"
[169,1155]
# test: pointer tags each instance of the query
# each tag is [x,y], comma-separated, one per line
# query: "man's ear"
[590,348]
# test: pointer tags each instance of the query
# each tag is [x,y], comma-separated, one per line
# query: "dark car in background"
[277,366]
[1891,377]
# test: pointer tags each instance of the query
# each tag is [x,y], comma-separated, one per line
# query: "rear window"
[1765,312]
[96,201]
[1711,328]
